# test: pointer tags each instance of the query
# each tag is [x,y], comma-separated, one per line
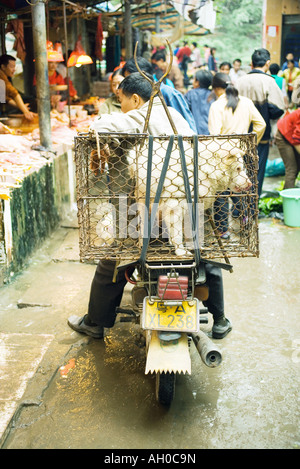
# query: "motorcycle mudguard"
[168,356]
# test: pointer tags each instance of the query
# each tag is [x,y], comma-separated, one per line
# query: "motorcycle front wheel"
[165,387]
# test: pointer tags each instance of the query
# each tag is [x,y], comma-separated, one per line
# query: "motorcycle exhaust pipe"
[210,354]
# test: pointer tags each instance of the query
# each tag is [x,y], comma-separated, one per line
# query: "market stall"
[36,187]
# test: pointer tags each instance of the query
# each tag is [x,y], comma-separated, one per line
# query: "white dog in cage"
[220,167]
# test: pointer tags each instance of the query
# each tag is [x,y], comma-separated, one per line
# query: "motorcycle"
[168,290]
[166,300]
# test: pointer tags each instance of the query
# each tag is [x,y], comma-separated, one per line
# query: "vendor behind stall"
[12,95]
[112,104]
[56,79]
[58,84]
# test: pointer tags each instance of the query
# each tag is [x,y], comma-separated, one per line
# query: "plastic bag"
[275,168]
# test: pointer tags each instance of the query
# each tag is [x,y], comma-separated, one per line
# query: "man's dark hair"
[136,83]
[116,72]
[5,58]
[274,69]
[130,66]
[237,60]
[159,55]
[204,78]
[223,64]
[260,57]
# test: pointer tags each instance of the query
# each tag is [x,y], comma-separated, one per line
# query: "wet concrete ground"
[101,397]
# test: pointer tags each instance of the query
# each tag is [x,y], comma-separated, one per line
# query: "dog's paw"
[182,252]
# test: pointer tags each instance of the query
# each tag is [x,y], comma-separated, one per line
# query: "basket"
[163,197]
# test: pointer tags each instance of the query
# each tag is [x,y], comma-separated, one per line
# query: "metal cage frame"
[112,184]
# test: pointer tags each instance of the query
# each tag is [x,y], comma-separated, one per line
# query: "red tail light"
[172,288]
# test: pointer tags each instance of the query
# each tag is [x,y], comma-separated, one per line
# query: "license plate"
[182,317]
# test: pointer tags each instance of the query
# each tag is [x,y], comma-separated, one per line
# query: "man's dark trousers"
[106,295]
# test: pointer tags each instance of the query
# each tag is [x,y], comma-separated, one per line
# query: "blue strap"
[192,208]
[148,184]
[196,200]
[149,223]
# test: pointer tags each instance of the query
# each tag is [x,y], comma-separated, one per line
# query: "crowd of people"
[274,103]
[273,89]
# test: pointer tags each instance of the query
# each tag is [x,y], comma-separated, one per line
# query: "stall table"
[37,188]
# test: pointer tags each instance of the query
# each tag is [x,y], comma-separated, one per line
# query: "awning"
[198,16]
[199,12]
[165,19]
[173,19]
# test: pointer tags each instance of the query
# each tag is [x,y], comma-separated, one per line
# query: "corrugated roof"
[149,14]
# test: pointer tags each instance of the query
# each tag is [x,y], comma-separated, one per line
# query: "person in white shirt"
[196,56]
[235,71]
[261,88]
[231,114]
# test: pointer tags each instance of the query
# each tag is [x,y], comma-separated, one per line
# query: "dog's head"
[232,167]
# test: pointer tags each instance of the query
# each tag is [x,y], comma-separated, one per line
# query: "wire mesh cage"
[2,237]
[171,195]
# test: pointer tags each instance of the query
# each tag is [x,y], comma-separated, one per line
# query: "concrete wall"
[34,211]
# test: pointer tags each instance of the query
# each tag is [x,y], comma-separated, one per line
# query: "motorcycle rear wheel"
[165,387]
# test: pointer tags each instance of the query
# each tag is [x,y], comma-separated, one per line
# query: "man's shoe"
[221,328]
[78,325]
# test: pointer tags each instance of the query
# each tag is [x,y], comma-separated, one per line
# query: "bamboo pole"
[67,57]
[41,69]
[128,29]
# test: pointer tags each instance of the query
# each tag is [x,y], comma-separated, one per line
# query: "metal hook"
[168,69]
[156,89]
